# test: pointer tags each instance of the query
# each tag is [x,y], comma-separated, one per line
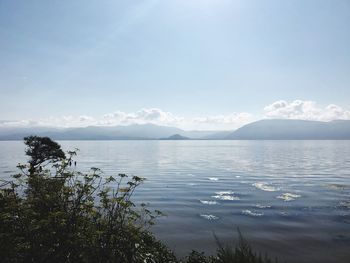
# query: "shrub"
[59,215]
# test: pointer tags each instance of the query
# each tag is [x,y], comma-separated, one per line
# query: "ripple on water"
[340,187]
[262,206]
[344,204]
[224,193]
[283,213]
[287,197]
[213,179]
[265,187]
[8,171]
[248,212]
[226,196]
[209,217]
[206,202]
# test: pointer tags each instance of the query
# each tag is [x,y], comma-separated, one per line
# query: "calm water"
[289,198]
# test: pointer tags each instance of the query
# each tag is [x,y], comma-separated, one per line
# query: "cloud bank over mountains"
[305,110]
[143,116]
[298,109]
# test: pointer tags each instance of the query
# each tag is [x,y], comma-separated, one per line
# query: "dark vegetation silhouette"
[51,213]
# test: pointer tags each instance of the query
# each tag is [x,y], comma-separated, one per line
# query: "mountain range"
[293,130]
[260,130]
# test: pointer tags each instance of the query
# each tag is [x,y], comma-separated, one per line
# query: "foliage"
[42,149]
[61,215]
[240,253]
[197,257]
[57,214]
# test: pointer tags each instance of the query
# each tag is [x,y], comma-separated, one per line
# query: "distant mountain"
[260,130]
[130,132]
[18,133]
[198,134]
[218,135]
[293,130]
[176,137]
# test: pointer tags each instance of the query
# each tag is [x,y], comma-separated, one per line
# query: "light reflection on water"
[288,197]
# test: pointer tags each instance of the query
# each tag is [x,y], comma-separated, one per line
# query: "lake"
[289,198]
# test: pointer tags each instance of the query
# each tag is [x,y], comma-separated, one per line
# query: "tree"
[41,150]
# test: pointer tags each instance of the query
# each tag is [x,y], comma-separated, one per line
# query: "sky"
[194,64]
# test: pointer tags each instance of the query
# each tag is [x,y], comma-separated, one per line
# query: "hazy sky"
[191,63]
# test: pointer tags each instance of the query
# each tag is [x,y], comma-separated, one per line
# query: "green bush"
[52,213]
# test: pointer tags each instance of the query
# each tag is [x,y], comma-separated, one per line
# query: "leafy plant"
[239,253]
[57,214]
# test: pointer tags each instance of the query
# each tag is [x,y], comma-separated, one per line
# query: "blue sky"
[187,58]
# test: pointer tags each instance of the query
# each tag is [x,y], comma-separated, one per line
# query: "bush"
[240,253]
[59,215]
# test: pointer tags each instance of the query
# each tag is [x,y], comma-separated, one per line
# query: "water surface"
[289,198]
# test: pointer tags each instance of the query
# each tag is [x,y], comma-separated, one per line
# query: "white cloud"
[18,123]
[305,110]
[152,115]
[230,121]
[298,109]
[157,116]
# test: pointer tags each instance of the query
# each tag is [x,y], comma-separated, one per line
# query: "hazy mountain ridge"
[175,137]
[130,132]
[293,130]
[260,130]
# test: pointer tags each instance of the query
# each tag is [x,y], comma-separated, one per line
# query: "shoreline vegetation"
[52,213]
